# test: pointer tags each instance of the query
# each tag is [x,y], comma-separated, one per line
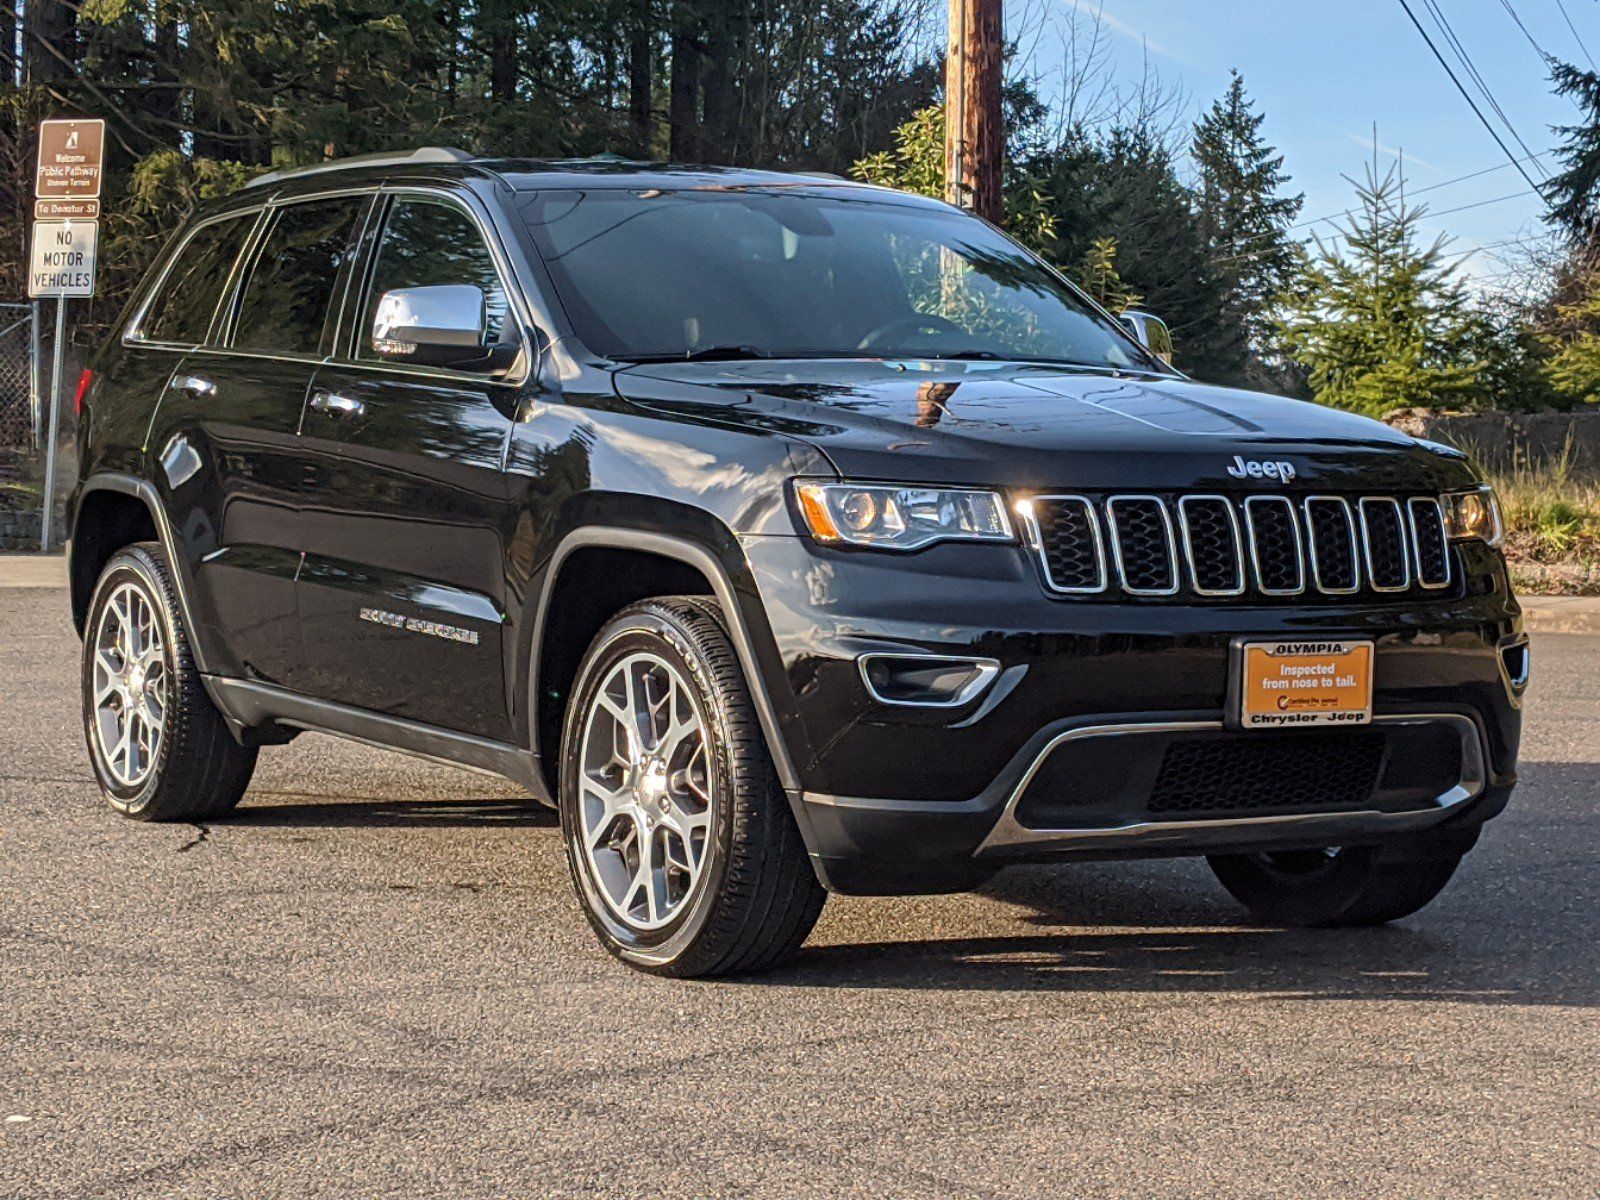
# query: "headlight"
[900,518]
[1474,516]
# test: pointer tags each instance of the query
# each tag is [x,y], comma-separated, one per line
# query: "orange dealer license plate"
[1282,685]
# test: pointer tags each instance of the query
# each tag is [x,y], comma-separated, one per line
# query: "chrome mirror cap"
[441,322]
[1151,332]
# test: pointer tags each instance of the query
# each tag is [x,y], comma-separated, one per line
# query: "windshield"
[751,274]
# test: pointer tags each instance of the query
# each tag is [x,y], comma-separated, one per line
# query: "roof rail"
[388,158]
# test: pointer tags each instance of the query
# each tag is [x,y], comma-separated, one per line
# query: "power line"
[1575,34]
[1538,49]
[1240,251]
[1472,71]
[1467,96]
[1245,254]
[1486,171]
[1432,187]
[1445,212]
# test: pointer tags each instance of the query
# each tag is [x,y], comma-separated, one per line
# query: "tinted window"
[428,242]
[666,274]
[188,299]
[287,298]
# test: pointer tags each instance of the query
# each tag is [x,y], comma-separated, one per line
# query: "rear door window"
[181,312]
[287,301]
[428,242]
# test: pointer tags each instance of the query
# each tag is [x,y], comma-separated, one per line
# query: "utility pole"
[974,137]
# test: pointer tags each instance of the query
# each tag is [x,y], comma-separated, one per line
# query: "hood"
[1037,427]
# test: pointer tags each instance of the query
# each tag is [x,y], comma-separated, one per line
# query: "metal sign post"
[58,361]
[36,373]
[66,237]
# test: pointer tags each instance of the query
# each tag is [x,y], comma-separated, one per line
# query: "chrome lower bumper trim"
[1335,827]
[985,670]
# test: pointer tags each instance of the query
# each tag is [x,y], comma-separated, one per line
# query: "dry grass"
[1552,528]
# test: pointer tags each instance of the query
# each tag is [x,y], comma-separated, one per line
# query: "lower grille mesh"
[1292,771]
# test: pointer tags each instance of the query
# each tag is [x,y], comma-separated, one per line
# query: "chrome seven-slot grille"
[1226,546]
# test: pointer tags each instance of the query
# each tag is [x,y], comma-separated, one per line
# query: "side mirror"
[440,325]
[1151,332]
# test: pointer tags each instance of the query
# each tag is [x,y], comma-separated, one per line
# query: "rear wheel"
[684,852]
[1353,885]
[160,749]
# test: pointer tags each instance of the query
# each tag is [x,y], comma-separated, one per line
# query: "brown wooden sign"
[66,210]
[70,156]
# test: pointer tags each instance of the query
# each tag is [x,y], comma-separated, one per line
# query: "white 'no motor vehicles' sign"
[62,262]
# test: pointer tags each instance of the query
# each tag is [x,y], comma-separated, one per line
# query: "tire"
[746,901]
[1353,886]
[185,765]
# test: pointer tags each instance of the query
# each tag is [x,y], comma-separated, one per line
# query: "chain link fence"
[22,430]
[19,378]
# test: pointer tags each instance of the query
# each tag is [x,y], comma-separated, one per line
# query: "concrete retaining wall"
[1501,440]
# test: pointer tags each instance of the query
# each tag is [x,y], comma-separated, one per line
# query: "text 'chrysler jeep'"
[788,535]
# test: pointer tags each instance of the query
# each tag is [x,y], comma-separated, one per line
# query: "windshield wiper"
[730,353]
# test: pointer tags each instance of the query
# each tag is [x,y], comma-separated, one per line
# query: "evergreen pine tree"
[1571,369]
[1574,194]
[1565,330]
[1384,325]
[1244,216]
[1124,185]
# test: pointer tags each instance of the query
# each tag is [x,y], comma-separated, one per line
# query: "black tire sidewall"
[137,565]
[658,634]
[1360,885]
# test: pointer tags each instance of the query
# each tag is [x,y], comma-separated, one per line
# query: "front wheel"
[161,750]
[683,850]
[1352,885]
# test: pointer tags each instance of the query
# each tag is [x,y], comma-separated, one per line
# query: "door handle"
[194,385]
[336,405]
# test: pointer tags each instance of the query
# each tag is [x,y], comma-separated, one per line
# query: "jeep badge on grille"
[1261,468]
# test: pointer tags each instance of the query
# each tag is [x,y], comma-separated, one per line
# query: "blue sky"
[1324,72]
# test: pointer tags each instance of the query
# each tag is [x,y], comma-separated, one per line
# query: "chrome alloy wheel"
[644,792]
[130,685]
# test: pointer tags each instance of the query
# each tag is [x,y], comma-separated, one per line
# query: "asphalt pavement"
[374,981]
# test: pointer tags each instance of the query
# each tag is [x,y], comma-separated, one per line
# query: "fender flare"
[691,553]
[145,492]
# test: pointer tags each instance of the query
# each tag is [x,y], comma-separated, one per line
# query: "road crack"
[204,832]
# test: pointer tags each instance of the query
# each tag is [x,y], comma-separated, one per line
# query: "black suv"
[788,535]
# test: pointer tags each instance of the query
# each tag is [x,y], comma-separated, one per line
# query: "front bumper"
[873,847]
[896,799]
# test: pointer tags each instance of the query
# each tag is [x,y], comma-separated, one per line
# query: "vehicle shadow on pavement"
[375,812]
[1459,962]
[1373,964]
[1515,927]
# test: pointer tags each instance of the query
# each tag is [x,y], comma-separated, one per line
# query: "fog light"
[926,680]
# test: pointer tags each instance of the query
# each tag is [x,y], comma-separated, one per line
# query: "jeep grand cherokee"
[788,535]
